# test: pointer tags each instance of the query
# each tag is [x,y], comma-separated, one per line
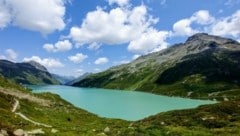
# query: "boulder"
[18,132]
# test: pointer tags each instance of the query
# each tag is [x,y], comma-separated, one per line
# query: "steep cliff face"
[204,64]
[26,72]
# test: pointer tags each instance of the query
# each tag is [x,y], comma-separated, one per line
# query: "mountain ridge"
[148,72]
[26,72]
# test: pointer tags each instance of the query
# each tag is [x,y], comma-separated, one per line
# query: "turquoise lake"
[127,105]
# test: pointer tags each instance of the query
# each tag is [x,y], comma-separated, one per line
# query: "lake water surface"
[127,105]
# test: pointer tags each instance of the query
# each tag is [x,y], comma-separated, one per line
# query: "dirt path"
[16,104]
[22,95]
[34,122]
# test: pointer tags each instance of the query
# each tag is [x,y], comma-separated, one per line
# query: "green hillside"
[49,115]
[205,66]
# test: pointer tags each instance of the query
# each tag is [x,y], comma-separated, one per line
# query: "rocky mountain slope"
[26,72]
[203,66]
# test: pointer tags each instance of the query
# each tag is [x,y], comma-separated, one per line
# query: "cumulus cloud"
[238,40]
[102,60]
[46,17]
[5,16]
[94,46]
[183,27]
[135,56]
[78,58]
[119,2]
[149,41]
[60,46]
[79,72]
[47,62]
[97,69]
[2,57]
[11,54]
[202,17]
[227,26]
[118,26]
[121,62]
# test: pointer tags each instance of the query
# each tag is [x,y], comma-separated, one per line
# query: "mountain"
[77,79]
[204,66]
[63,79]
[26,72]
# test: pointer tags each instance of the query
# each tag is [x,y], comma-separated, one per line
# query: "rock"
[189,94]
[107,129]
[226,99]
[130,125]
[18,132]
[4,133]
[101,134]
[36,131]
[212,118]
[54,130]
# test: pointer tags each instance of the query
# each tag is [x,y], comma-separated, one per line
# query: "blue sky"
[71,37]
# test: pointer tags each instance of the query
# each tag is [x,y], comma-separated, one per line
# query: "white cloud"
[47,62]
[121,62]
[44,16]
[118,26]
[97,69]
[183,27]
[78,58]
[60,46]
[227,26]
[5,16]
[2,57]
[119,2]
[11,54]
[79,72]
[238,40]
[135,56]
[94,46]
[150,41]
[101,61]
[202,17]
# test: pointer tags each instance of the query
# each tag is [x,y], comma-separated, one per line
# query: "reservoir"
[126,105]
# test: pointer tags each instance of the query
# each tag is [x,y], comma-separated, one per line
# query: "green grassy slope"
[60,114]
[202,67]
[219,119]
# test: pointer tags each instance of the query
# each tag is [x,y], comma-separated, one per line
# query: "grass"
[221,119]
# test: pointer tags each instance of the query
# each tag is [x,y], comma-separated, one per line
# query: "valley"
[204,67]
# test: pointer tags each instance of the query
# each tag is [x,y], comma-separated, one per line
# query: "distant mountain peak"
[37,65]
[204,38]
[26,73]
